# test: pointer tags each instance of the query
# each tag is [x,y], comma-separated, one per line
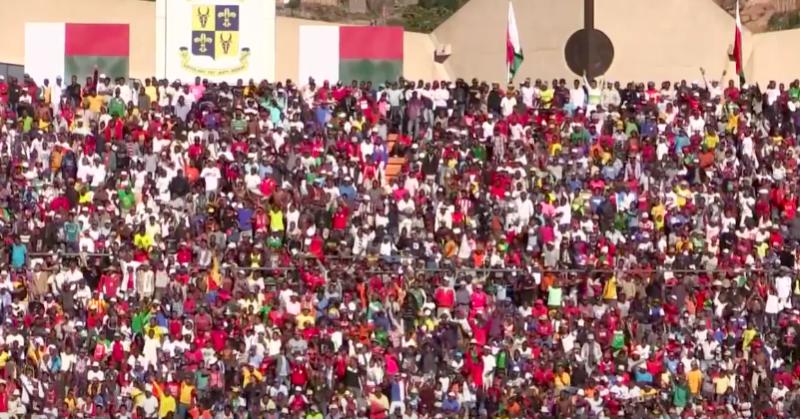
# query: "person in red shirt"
[479,299]
[3,90]
[340,217]
[3,399]
[298,374]
[445,298]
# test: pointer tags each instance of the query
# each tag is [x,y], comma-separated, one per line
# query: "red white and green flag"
[514,55]
[347,53]
[737,45]
[67,49]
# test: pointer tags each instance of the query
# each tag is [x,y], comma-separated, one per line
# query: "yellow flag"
[214,278]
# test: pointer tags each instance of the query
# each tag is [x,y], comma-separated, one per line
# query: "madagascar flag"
[67,49]
[370,53]
[90,44]
[737,46]
[347,53]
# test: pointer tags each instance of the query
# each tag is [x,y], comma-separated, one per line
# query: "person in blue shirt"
[244,217]
[681,141]
[322,114]
[19,254]
[347,190]
[451,404]
[642,376]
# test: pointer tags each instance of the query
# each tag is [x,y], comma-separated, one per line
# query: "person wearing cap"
[151,403]
[676,207]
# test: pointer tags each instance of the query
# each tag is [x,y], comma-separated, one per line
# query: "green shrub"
[424,19]
[783,21]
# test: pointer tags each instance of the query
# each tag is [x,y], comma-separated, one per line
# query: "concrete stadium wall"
[418,60]
[140,15]
[775,56]
[653,39]
[668,39]
[418,50]
[477,35]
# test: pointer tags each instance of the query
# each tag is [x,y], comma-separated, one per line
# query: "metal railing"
[465,269]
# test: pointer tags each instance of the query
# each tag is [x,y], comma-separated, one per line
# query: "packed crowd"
[182,248]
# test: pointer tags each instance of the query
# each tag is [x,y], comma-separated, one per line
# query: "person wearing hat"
[150,404]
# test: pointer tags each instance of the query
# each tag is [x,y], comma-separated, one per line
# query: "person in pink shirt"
[478,299]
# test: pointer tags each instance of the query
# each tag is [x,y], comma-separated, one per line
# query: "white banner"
[319,54]
[220,40]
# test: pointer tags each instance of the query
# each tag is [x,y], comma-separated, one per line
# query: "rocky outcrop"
[757,13]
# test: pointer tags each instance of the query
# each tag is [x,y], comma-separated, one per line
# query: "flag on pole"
[737,45]
[513,48]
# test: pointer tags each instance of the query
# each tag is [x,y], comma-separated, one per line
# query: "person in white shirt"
[150,403]
[772,92]
[164,92]
[441,95]
[125,92]
[577,96]
[95,374]
[211,175]
[406,208]
[56,91]
[508,103]
[528,93]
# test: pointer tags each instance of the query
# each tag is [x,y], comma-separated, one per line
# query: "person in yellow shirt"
[166,401]
[4,356]
[186,398]
[694,378]
[610,289]
[151,91]
[562,379]
[95,102]
[138,397]
[659,212]
[142,240]
[153,330]
[305,319]
[250,376]
[276,220]
[546,95]
[733,122]
[748,335]
[721,383]
[70,402]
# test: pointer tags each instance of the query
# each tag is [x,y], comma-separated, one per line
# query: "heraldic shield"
[215,31]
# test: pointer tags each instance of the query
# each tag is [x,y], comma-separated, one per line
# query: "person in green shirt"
[139,320]
[239,123]
[71,231]
[116,107]
[126,198]
[630,128]
[794,90]
[479,152]
[580,136]
[313,413]
[680,394]
[26,121]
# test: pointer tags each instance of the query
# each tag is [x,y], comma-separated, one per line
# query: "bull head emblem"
[203,15]
[226,43]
